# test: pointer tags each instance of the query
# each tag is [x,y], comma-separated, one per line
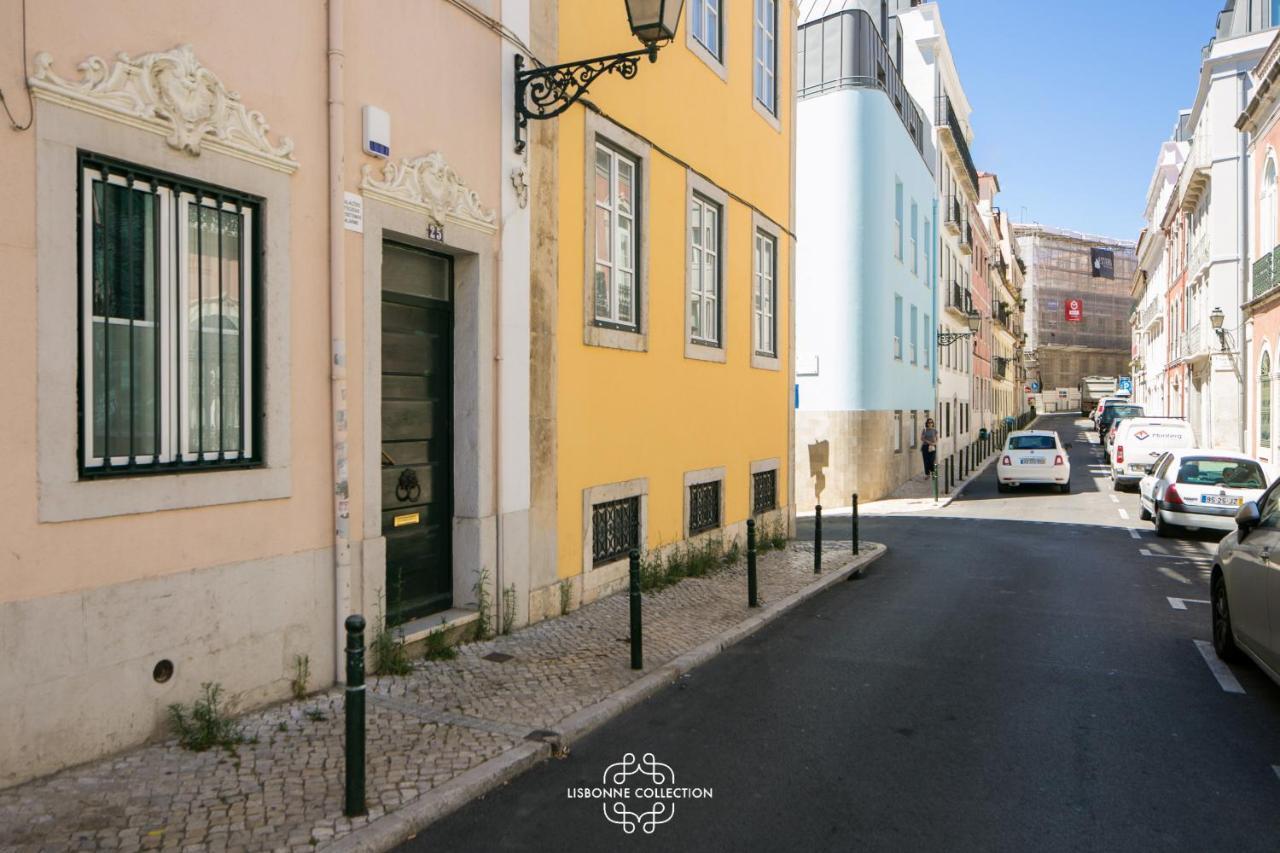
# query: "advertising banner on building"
[1075,310]
[1103,263]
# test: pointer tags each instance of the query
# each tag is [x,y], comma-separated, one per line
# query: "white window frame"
[897,327]
[766,357]
[928,341]
[700,191]
[615,263]
[764,78]
[172,284]
[765,294]
[898,213]
[915,336]
[704,271]
[697,12]
[915,251]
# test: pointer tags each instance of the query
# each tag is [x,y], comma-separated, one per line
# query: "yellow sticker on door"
[407,519]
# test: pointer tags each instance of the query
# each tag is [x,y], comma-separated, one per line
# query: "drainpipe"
[338,344]
[1243,207]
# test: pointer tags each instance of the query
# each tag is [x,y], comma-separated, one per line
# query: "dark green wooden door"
[417,431]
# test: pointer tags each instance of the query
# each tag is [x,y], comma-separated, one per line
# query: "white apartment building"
[932,79]
[1151,284]
[1206,230]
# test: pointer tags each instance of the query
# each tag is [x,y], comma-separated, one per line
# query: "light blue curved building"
[865,297]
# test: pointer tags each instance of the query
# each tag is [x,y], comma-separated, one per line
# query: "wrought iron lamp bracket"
[546,92]
[946,339]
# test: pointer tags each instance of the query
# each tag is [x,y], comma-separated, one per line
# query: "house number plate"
[435,232]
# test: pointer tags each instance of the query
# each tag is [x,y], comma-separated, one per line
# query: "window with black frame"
[169,290]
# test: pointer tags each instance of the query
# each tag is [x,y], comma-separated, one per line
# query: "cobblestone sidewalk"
[284,789]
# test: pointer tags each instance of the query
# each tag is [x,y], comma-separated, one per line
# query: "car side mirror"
[1247,518]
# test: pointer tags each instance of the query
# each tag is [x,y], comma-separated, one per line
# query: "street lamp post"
[543,93]
[1216,319]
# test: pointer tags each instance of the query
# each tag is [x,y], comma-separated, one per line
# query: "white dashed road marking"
[1170,573]
[1147,552]
[1124,513]
[1181,603]
[1226,680]
[1114,499]
[1133,531]
[1276,768]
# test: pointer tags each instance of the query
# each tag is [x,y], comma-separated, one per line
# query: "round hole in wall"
[163,671]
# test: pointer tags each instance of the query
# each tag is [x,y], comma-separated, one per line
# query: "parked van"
[1140,441]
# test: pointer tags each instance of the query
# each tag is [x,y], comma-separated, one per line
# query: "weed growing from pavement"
[301,675]
[689,560]
[438,646]
[205,724]
[508,609]
[566,596]
[315,715]
[389,655]
[484,625]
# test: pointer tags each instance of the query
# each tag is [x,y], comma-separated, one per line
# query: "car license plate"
[1032,460]
[1220,500]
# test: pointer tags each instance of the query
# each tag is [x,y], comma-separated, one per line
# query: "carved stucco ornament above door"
[168,93]
[429,185]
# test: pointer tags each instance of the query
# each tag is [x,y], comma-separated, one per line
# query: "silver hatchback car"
[1245,586]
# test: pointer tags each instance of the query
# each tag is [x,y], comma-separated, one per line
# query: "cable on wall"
[13,124]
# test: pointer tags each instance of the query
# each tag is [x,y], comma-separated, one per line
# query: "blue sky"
[1071,100]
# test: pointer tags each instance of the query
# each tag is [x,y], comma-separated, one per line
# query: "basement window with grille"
[169,359]
[615,529]
[704,506]
[764,492]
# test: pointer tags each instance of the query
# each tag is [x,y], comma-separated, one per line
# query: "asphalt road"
[1013,675]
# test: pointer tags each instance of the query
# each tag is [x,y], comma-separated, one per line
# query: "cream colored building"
[208,467]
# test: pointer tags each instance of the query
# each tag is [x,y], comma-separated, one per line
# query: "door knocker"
[408,489]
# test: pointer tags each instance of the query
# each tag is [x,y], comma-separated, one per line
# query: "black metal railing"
[961,298]
[615,529]
[704,506]
[764,491]
[953,211]
[845,50]
[946,118]
[966,235]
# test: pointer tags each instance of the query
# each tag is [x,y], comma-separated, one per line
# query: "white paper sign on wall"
[353,212]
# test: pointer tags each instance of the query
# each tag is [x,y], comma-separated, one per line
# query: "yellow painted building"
[661,293]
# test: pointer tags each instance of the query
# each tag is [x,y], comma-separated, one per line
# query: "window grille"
[615,529]
[764,491]
[704,506]
[168,368]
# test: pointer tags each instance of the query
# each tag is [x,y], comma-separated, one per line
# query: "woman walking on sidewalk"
[929,446]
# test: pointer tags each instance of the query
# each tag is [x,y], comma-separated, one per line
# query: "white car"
[1199,489]
[1139,442]
[1245,586]
[1034,457]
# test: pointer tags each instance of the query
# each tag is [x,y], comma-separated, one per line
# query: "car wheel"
[1065,488]
[1143,513]
[1223,642]
[1162,529]
[1001,487]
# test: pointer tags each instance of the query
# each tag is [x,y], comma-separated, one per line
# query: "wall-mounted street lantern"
[543,93]
[1216,318]
[974,319]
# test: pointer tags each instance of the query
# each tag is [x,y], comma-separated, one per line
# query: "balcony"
[846,51]
[951,135]
[1194,179]
[966,238]
[1000,367]
[1193,344]
[959,301]
[952,215]
[1199,260]
[1152,315]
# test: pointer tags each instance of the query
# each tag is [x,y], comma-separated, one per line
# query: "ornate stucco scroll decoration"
[429,185]
[168,93]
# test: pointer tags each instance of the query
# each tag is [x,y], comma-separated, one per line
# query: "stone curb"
[399,826]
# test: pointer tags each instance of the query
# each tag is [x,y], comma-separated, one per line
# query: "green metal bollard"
[817,539]
[752,596]
[353,706]
[637,640]
[935,483]
[855,522]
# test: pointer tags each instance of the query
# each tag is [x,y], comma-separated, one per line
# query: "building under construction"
[1077,311]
